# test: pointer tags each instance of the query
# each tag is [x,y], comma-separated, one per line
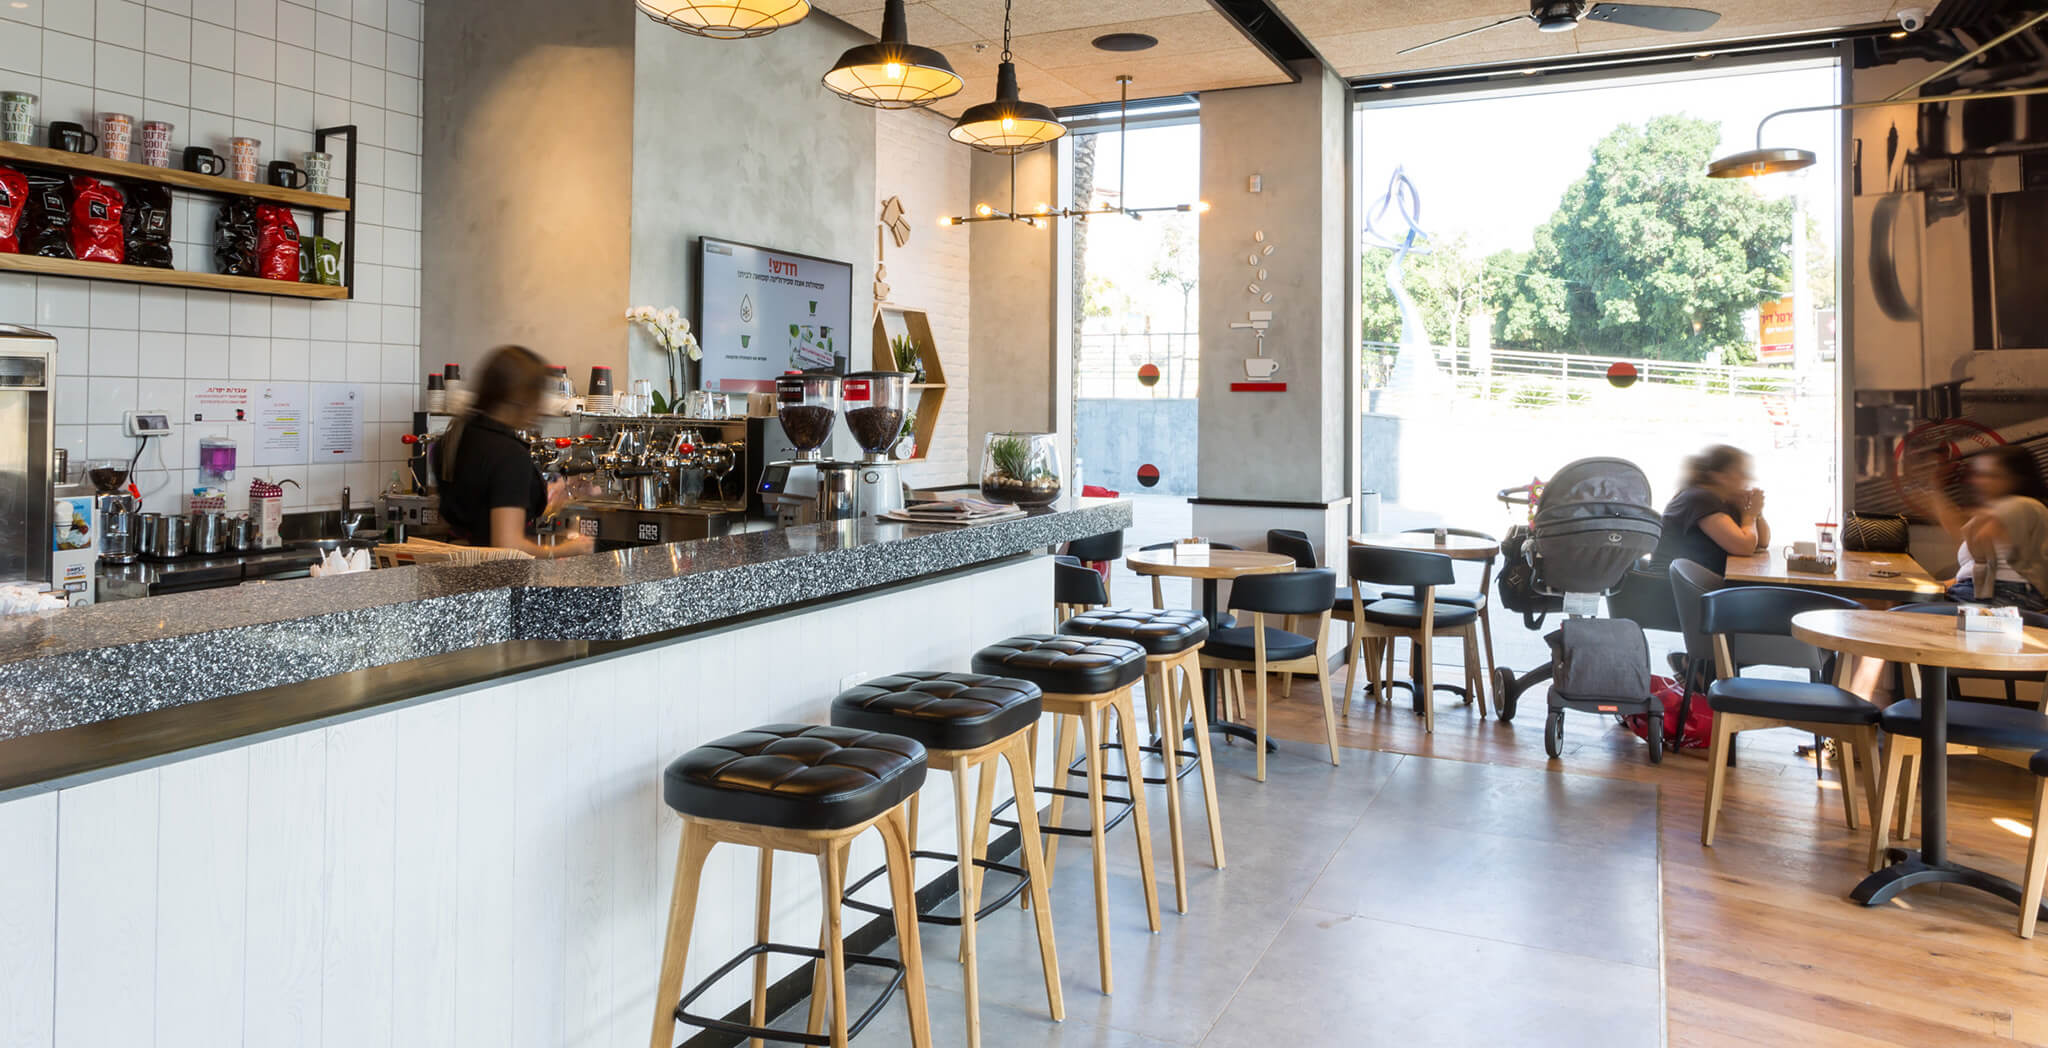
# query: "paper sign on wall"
[282,433]
[337,412]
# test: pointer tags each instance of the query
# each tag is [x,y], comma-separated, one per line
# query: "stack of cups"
[244,157]
[156,143]
[318,168]
[17,117]
[117,135]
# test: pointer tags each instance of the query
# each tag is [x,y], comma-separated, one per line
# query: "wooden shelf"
[67,267]
[931,393]
[86,163]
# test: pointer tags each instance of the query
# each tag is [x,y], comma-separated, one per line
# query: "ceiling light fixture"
[1763,161]
[1043,215]
[723,19]
[1125,42]
[893,73]
[1009,125]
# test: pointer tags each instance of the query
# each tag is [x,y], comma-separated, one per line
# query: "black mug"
[72,138]
[286,175]
[204,161]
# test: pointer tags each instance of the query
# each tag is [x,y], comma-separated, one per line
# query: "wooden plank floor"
[1762,945]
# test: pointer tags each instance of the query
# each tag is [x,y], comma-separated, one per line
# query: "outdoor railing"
[1108,362]
[1737,379]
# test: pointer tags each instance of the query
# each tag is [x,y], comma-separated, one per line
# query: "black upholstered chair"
[1417,617]
[1300,596]
[1106,549]
[1075,588]
[2008,732]
[1749,703]
[1083,678]
[1291,542]
[1475,596]
[968,723]
[801,788]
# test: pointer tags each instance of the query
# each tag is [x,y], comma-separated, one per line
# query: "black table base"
[1911,868]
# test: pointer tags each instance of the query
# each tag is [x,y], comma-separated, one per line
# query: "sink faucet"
[349,522]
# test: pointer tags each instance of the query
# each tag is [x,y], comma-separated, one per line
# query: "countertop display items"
[671,331]
[897,326]
[1023,468]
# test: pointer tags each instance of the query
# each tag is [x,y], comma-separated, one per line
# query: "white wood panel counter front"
[485,867]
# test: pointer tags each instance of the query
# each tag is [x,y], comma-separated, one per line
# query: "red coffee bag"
[13,200]
[277,243]
[96,234]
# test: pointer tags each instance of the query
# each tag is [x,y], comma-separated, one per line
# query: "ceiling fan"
[1563,16]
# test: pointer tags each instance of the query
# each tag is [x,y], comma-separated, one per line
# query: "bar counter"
[74,683]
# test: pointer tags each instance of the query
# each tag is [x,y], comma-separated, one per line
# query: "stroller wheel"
[1655,736]
[1504,694]
[1553,734]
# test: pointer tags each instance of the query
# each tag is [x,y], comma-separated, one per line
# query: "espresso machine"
[876,403]
[809,488]
[28,485]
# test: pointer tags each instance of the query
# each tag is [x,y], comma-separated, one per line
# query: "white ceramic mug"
[1805,549]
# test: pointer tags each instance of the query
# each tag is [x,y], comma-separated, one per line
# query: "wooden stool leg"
[970,898]
[1845,758]
[2037,864]
[1028,842]
[682,913]
[1127,733]
[1896,748]
[1169,752]
[764,904]
[1717,776]
[1062,758]
[903,901]
[984,806]
[1329,718]
[835,938]
[1100,840]
[1191,682]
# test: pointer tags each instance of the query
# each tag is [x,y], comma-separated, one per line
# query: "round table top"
[1456,547]
[1201,562]
[1922,640]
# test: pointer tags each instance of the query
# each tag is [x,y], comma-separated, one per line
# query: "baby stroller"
[1593,523]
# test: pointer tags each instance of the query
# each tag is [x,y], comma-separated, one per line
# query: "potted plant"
[1023,468]
[671,331]
[908,357]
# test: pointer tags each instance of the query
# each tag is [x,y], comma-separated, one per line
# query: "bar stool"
[966,721]
[1173,642]
[1082,677]
[804,789]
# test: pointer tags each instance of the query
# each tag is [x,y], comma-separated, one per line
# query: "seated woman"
[2002,556]
[1716,512]
[491,494]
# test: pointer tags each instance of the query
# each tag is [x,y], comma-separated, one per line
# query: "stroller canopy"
[1593,522]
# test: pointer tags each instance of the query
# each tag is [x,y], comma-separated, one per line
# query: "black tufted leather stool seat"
[796,776]
[1065,665]
[944,711]
[1159,631]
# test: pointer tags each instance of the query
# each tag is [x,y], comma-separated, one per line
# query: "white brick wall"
[274,70]
[914,160]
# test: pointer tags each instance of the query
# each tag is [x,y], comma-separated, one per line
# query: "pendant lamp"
[725,19]
[1008,125]
[893,73]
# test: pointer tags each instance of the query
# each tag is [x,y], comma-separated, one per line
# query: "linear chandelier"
[1042,216]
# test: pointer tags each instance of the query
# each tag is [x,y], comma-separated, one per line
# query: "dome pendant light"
[725,19]
[893,73]
[1008,125]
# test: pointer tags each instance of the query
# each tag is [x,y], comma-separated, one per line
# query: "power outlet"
[854,680]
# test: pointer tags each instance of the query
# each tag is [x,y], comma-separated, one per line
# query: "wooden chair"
[1289,542]
[1748,703]
[1106,549]
[1262,649]
[1474,596]
[1419,618]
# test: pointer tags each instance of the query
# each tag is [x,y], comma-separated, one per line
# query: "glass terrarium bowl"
[1023,468]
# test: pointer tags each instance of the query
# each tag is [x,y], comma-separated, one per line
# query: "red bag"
[96,233]
[1699,720]
[277,243]
[13,200]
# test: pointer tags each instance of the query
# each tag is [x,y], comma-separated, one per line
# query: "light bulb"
[945,220]
[1201,207]
[984,210]
[893,70]
[1009,123]
[1044,208]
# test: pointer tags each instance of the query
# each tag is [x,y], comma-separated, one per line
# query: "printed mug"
[156,143]
[204,161]
[319,167]
[244,158]
[71,137]
[18,117]
[286,175]
[117,135]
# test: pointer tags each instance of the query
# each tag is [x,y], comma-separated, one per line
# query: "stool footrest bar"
[1008,896]
[853,1029]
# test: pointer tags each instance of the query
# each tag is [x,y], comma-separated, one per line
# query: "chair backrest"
[1291,543]
[1691,581]
[1170,545]
[1756,622]
[1107,546]
[1294,593]
[1075,584]
[1400,567]
[2030,618]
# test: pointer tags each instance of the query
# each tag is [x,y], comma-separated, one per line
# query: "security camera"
[1912,18]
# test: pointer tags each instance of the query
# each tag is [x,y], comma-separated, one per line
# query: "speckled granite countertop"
[84,665]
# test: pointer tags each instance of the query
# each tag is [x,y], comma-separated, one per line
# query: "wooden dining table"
[1201,562]
[1934,646]
[1893,578]
[1456,547]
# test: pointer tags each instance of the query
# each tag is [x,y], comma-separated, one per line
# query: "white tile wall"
[272,69]
[915,161]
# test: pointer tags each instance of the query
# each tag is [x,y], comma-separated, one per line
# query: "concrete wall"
[528,147]
[1276,446]
[1012,318]
[738,139]
[1119,435]
[917,163]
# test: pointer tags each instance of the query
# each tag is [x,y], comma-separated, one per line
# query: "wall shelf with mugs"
[320,205]
[893,323]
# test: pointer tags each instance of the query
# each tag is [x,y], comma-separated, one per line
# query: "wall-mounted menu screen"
[763,312]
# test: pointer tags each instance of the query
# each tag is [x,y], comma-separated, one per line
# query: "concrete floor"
[1393,900]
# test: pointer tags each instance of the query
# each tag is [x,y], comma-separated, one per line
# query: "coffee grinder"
[119,512]
[876,403]
[809,487]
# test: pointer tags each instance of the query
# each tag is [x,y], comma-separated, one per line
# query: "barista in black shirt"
[491,494]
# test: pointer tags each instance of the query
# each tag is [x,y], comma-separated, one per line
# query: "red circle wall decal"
[1148,474]
[1148,375]
[1621,374]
